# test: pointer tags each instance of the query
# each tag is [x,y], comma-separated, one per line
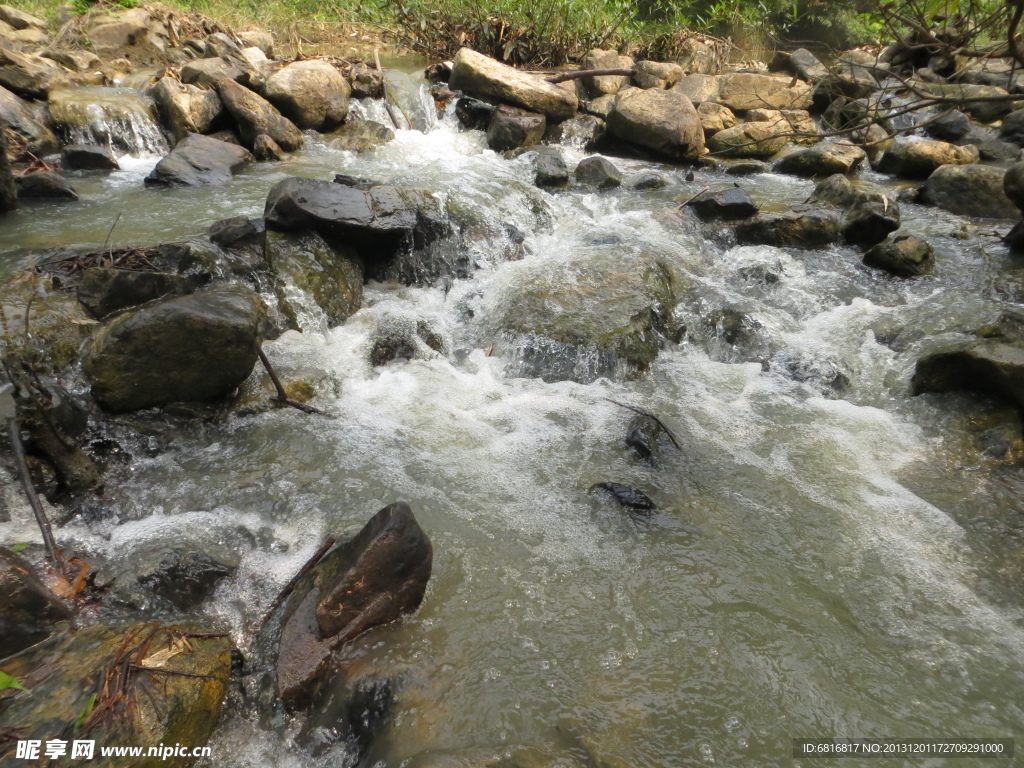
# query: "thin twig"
[690,199]
[105,242]
[578,73]
[306,568]
[282,395]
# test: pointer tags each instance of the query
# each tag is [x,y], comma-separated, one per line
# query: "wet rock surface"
[106,290]
[663,121]
[199,160]
[29,610]
[903,256]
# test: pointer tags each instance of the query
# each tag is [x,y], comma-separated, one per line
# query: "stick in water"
[282,396]
[650,415]
[309,565]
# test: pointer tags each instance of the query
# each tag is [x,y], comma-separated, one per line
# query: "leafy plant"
[8,682]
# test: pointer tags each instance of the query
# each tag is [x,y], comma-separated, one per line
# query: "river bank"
[812,526]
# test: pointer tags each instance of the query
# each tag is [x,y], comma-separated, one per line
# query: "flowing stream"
[830,557]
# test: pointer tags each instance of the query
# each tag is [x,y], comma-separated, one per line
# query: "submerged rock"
[198,161]
[372,579]
[482,76]
[632,498]
[970,190]
[44,185]
[580,319]
[173,678]
[731,203]
[809,229]
[598,172]
[104,290]
[512,128]
[359,136]
[663,121]
[312,94]
[993,367]
[903,256]
[308,269]
[186,579]
[551,170]
[29,611]
[642,436]
[186,348]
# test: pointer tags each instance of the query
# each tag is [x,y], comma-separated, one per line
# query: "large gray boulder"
[186,109]
[480,75]
[970,190]
[186,348]
[822,160]
[511,128]
[312,94]
[255,115]
[31,77]
[794,229]
[993,367]
[198,161]
[663,121]
[919,159]
[761,139]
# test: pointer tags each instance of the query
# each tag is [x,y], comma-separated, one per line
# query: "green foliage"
[20,547]
[7,682]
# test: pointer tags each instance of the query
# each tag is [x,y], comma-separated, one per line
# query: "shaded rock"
[27,132]
[951,127]
[999,151]
[474,114]
[902,256]
[970,190]
[256,116]
[874,140]
[992,367]
[743,91]
[642,436]
[186,109]
[1014,239]
[602,106]
[918,159]
[29,611]
[366,82]
[207,72]
[656,74]
[31,77]
[359,136]
[698,88]
[810,229]
[135,32]
[663,121]
[266,150]
[482,76]
[197,161]
[309,272]
[869,216]
[104,290]
[63,675]
[750,140]
[746,168]
[732,203]
[186,348]
[238,232]
[551,170]
[8,192]
[119,118]
[89,157]
[582,318]
[605,84]
[596,171]
[220,45]
[648,180]
[822,160]
[312,94]
[714,118]
[1013,184]
[372,579]
[44,185]
[628,496]
[186,579]
[800,126]
[801,63]
[511,128]
[971,100]
[1012,128]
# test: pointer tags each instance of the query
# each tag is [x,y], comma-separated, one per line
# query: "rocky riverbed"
[460,417]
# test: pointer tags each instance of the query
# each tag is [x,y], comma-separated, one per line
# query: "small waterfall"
[118,118]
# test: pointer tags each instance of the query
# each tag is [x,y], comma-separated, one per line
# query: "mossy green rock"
[145,684]
[583,318]
[186,348]
[309,269]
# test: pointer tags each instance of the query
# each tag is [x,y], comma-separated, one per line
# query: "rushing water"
[827,560]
